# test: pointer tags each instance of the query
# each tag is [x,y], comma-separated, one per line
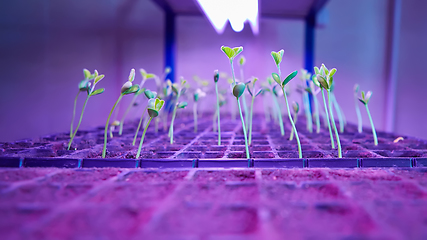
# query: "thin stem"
[279,114]
[316,112]
[142,138]
[293,124]
[104,150]
[195,116]
[244,130]
[372,126]
[217,109]
[335,127]
[139,126]
[359,116]
[126,113]
[309,121]
[78,125]
[74,114]
[250,119]
[338,110]
[172,121]
[245,106]
[327,120]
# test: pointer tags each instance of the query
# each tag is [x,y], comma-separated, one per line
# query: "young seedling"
[317,83]
[313,91]
[145,77]
[178,90]
[242,61]
[238,89]
[295,107]
[149,95]
[305,100]
[153,107]
[251,89]
[365,100]
[126,89]
[277,57]
[325,79]
[359,116]
[85,85]
[196,96]
[216,78]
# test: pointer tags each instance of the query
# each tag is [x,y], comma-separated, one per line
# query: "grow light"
[236,11]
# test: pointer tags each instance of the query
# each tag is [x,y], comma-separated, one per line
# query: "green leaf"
[126,86]
[274,90]
[315,81]
[362,101]
[182,104]
[316,70]
[322,82]
[332,72]
[196,97]
[149,94]
[249,89]
[140,91]
[97,91]
[276,78]
[143,73]
[277,56]
[175,88]
[131,75]
[363,95]
[289,78]
[228,51]
[239,89]
[98,78]
[150,75]
[242,60]
[151,103]
[332,87]
[159,104]
[331,82]
[325,69]
[133,89]
[86,73]
[308,90]
[237,51]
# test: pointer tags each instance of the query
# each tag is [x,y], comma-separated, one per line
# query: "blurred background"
[44,45]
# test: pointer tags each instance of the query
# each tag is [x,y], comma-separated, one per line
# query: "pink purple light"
[236,11]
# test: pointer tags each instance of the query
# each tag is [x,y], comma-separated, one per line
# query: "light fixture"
[236,11]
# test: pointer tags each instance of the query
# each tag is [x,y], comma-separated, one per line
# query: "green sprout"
[325,79]
[145,77]
[242,61]
[359,116]
[196,96]
[149,95]
[85,85]
[295,107]
[277,110]
[238,89]
[251,89]
[153,107]
[313,91]
[365,100]
[178,90]
[305,100]
[277,56]
[317,83]
[126,89]
[216,78]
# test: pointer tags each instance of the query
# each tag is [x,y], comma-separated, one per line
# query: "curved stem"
[172,121]
[126,113]
[335,127]
[359,116]
[195,116]
[104,149]
[327,120]
[293,124]
[279,114]
[142,138]
[372,126]
[217,109]
[74,114]
[250,120]
[78,125]
[244,130]
[139,126]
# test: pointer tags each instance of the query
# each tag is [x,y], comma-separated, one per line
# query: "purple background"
[44,45]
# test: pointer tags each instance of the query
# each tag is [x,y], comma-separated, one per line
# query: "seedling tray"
[269,148]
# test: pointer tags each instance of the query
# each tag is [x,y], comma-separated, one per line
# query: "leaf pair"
[365,97]
[154,106]
[283,83]
[127,87]
[231,52]
[252,83]
[324,77]
[146,75]
[277,56]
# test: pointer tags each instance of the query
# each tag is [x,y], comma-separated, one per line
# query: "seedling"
[242,61]
[149,95]
[305,100]
[145,77]
[359,116]
[85,85]
[365,100]
[238,89]
[251,89]
[313,91]
[317,83]
[325,79]
[196,96]
[277,57]
[295,107]
[178,90]
[153,107]
[216,78]
[126,89]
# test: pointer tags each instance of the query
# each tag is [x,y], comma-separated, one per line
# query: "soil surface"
[114,203]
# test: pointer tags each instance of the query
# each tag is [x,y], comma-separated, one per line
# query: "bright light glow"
[236,11]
